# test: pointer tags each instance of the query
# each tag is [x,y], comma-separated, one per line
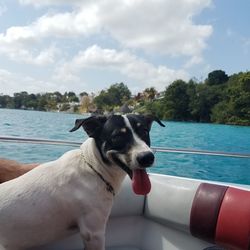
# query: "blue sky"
[229,45]
[86,45]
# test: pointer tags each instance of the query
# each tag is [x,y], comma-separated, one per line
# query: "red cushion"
[233,225]
[205,210]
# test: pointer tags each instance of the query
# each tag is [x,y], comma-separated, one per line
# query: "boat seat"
[123,248]
[221,214]
[136,223]
[75,243]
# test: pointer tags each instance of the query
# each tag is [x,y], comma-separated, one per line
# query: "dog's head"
[124,141]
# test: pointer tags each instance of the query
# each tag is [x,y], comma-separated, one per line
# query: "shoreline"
[87,114]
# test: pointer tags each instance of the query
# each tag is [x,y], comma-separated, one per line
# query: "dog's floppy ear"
[78,124]
[151,118]
[92,125]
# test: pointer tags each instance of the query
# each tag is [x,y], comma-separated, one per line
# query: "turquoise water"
[175,134]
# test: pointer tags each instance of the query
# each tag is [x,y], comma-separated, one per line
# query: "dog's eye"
[118,141]
[117,138]
[144,131]
[141,129]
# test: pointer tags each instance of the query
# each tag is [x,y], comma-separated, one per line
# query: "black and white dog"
[75,192]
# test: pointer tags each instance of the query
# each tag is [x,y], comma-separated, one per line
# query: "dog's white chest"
[50,206]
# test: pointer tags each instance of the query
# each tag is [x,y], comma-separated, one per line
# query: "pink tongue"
[140,182]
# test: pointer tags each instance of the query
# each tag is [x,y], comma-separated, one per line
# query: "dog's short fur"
[72,193]
[10,169]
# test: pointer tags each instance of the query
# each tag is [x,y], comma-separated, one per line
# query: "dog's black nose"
[145,159]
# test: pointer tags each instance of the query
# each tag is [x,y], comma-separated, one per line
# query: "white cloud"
[66,73]
[68,24]
[46,56]
[16,83]
[95,56]
[145,73]
[4,74]
[25,43]
[27,55]
[193,61]
[49,2]
[11,82]
[162,26]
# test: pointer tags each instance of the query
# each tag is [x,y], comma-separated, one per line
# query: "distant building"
[160,95]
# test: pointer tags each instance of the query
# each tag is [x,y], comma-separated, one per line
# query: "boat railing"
[12,139]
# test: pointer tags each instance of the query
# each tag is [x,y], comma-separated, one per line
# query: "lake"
[175,135]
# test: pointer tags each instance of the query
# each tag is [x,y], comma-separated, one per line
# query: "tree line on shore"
[219,98]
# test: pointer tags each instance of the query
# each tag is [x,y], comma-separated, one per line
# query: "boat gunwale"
[13,139]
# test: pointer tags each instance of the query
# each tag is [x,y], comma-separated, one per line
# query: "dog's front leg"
[94,242]
[93,234]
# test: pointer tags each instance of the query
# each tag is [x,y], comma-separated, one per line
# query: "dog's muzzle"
[145,159]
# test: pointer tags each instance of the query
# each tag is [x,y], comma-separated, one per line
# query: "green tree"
[155,107]
[6,101]
[21,100]
[150,93]
[118,94]
[221,113]
[235,108]
[65,107]
[83,94]
[176,101]
[31,102]
[115,95]
[207,98]
[102,100]
[217,77]
[58,96]
[41,102]
[71,97]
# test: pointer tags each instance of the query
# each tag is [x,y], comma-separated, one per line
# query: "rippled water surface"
[175,135]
